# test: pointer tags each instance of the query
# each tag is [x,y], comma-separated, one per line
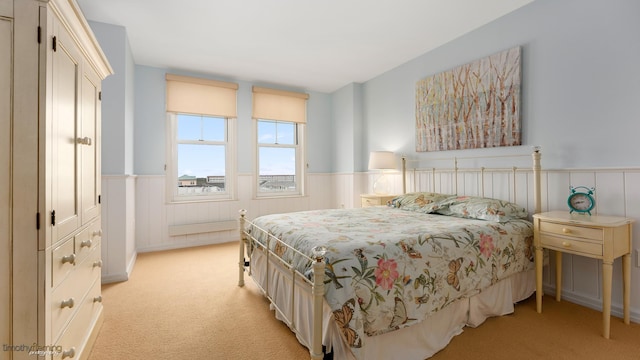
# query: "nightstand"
[375,199]
[600,237]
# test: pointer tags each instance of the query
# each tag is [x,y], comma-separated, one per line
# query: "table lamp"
[381,160]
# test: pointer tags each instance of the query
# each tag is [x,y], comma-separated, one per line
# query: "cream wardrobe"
[51,67]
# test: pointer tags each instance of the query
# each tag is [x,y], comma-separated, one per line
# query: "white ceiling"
[319,45]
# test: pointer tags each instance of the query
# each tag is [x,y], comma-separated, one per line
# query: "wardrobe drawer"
[571,230]
[86,240]
[66,297]
[65,300]
[74,339]
[63,261]
[90,268]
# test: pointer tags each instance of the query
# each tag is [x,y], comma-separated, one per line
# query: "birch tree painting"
[476,105]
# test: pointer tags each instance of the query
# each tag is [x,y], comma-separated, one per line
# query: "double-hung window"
[279,157]
[280,120]
[201,128]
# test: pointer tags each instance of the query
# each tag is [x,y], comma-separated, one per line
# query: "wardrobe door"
[66,142]
[90,148]
[6,61]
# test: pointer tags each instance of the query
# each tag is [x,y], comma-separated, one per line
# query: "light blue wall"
[347,127]
[149,131]
[129,111]
[342,124]
[580,81]
[580,75]
[320,141]
[150,152]
[117,100]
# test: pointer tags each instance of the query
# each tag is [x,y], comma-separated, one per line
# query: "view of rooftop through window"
[201,155]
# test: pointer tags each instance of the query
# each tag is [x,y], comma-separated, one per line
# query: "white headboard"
[518,184]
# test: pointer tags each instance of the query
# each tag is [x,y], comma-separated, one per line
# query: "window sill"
[272,197]
[199,201]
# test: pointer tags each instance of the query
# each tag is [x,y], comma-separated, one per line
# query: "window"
[280,120]
[201,125]
[201,156]
[279,157]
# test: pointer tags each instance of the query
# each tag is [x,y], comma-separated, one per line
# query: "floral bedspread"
[389,268]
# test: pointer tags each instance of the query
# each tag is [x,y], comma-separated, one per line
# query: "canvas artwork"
[476,105]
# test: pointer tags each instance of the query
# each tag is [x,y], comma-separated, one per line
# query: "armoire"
[51,68]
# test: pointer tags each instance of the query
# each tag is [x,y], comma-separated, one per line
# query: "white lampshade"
[382,160]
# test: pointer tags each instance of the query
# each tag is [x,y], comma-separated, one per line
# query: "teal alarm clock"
[581,199]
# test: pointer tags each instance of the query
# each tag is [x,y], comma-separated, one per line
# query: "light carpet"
[185,304]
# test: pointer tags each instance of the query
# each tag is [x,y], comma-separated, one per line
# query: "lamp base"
[381,186]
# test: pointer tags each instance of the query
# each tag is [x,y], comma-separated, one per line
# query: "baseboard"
[592,303]
[131,263]
[173,246]
[112,278]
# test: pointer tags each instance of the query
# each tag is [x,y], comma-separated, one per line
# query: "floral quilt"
[388,268]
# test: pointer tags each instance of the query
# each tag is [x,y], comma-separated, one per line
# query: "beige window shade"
[201,96]
[271,104]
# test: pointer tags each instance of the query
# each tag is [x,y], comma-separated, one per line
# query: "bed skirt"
[419,341]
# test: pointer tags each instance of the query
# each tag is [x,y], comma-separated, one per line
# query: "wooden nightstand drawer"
[375,200]
[570,230]
[370,202]
[571,245]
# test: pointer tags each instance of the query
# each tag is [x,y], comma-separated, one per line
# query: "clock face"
[581,202]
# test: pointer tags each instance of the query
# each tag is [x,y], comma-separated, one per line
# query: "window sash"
[298,174]
[278,126]
[173,191]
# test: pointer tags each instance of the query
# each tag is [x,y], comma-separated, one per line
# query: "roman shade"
[201,96]
[272,104]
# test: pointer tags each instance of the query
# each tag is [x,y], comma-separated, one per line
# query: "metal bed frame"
[248,244]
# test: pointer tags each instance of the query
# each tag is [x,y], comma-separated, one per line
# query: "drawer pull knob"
[86,243]
[97,263]
[97,233]
[67,303]
[84,141]
[566,231]
[566,244]
[69,353]
[71,259]
[97,299]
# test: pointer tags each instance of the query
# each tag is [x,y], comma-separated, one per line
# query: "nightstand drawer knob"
[566,244]
[566,231]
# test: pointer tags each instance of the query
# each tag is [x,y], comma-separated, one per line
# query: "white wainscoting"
[154,215]
[118,227]
[616,194]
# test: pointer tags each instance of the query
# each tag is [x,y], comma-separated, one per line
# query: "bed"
[397,281]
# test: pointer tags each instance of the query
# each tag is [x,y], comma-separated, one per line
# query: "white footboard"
[248,244]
